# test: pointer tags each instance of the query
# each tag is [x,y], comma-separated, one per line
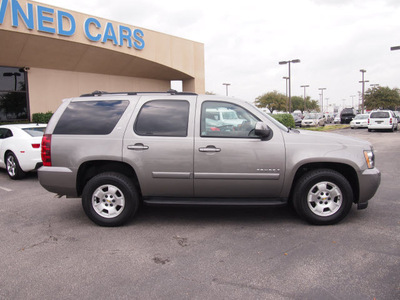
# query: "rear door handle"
[138,146]
[210,148]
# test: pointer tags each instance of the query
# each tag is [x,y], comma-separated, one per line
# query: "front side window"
[91,117]
[163,118]
[224,119]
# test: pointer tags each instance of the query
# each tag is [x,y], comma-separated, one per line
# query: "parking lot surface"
[51,250]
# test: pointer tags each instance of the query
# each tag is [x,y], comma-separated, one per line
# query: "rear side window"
[163,118]
[379,115]
[91,117]
[5,133]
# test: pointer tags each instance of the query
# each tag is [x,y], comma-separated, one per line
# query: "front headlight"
[369,158]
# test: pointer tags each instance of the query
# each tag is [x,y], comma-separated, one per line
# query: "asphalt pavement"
[51,250]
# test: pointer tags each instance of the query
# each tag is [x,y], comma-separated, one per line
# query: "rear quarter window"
[91,117]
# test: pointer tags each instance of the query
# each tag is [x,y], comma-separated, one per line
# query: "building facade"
[49,53]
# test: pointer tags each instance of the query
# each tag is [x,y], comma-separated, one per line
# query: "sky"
[245,40]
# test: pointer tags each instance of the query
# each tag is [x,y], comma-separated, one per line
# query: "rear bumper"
[59,180]
[380,126]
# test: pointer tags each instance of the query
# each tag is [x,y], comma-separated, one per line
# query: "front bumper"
[369,180]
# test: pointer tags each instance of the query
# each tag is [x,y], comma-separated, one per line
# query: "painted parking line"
[5,189]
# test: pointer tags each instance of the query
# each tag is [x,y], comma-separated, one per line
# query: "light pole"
[286,79]
[304,86]
[290,93]
[322,102]
[226,85]
[363,87]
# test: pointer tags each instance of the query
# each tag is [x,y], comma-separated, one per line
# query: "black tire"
[369,130]
[322,197]
[13,168]
[110,199]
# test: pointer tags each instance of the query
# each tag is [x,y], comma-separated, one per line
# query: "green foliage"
[272,101]
[285,119]
[297,103]
[381,97]
[312,105]
[42,117]
[276,101]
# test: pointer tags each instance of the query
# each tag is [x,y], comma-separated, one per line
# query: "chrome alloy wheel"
[11,165]
[324,199]
[108,201]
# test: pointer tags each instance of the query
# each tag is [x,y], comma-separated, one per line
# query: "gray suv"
[118,150]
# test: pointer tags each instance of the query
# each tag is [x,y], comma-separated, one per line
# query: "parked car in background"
[336,119]
[397,114]
[297,119]
[382,120]
[329,118]
[360,121]
[313,120]
[347,115]
[20,148]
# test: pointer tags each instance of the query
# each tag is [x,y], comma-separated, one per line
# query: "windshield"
[311,116]
[360,117]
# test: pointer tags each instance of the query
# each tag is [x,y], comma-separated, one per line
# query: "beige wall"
[48,87]
[67,66]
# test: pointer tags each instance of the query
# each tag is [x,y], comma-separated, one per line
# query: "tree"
[381,97]
[272,101]
[298,104]
[312,105]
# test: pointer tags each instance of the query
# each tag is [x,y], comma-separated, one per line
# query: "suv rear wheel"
[323,197]
[110,199]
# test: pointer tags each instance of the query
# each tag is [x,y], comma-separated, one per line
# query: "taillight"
[391,121]
[35,146]
[46,150]
[368,121]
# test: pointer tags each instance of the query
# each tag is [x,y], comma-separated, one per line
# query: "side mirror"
[262,130]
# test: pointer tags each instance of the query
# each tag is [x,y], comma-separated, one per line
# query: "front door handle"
[210,148]
[138,146]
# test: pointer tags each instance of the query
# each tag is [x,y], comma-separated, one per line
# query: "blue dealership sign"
[52,21]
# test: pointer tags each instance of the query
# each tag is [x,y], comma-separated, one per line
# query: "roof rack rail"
[101,93]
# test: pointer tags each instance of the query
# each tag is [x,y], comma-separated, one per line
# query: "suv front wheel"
[110,199]
[323,197]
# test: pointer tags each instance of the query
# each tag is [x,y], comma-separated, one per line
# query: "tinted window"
[5,133]
[163,118]
[379,114]
[91,117]
[224,119]
[13,95]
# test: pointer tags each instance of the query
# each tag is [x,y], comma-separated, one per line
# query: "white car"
[20,148]
[359,121]
[313,120]
[382,119]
